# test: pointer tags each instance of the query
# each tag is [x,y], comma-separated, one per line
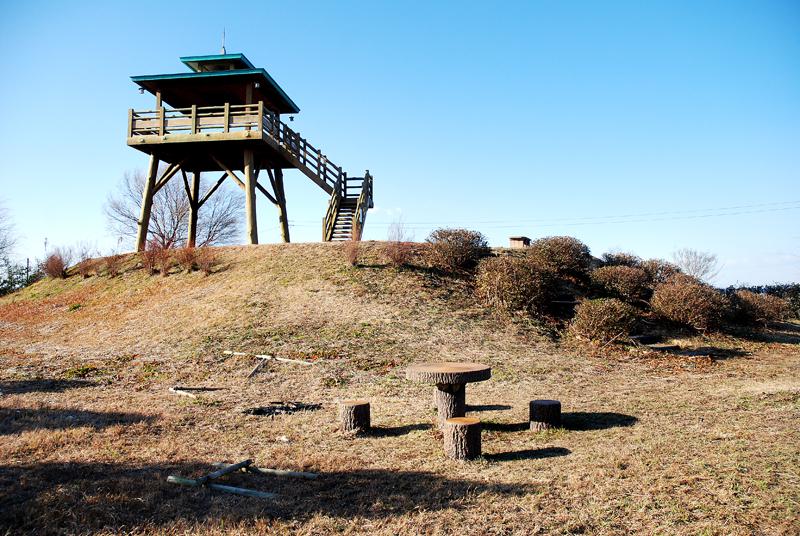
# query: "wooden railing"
[306,154]
[362,205]
[194,120]
[230,118]
[329,221]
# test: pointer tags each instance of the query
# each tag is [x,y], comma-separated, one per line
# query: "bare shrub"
[602,320]
[157,258]
[622,281]
[186,258]
[620,258]
[753,308]
[86,264]
[55,264]
[702,265]
[85,268]
[659,270]
[164,260]
[455,249]
[113,264]
[351,248]
[206,260]
[398,250]
[686,300]
[565,256]
[514,284]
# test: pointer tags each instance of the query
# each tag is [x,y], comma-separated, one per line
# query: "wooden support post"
[545,414]
[194,208]
[354,416]
[250,197]
[462,438]
[147,204]
[280,196]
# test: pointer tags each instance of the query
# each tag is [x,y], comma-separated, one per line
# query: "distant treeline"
[787,291]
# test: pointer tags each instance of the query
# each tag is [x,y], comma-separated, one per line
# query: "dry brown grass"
[654,444]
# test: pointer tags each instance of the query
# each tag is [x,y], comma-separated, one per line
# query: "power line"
[599,220]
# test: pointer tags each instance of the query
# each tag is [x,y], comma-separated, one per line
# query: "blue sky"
[638,126]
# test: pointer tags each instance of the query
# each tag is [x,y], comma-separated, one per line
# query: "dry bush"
[85,267]
[113,264]
[621,281]
[688,301]
[659,270]
[86,264]
[514,284]
[753,308]
[620,258]
[351,248]
[55,265]
[602,320]
[148,258]
[186,258]
[206,260]
[398,250]
[455,249]
[398,254]
[158,258]
[563,255]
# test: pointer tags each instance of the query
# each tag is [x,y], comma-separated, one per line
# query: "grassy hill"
[700,439]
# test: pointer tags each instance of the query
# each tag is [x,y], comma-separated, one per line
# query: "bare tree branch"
[7,238]
[700,264]
[218,222]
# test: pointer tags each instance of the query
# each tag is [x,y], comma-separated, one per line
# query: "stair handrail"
[309,156]
[329,221]
[363,204]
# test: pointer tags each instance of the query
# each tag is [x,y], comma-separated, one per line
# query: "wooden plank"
[227,116]
[194,119]
[265,356]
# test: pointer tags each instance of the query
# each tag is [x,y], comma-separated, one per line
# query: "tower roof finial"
[223,41]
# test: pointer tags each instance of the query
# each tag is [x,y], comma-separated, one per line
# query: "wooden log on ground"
[545,415]
[224,471]
[450,401]
[462,438]
[274,472]
[172,479]
[354,416]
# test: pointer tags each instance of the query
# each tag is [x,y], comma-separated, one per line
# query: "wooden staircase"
[347,209]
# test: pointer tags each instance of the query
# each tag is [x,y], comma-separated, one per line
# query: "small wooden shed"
[517,242]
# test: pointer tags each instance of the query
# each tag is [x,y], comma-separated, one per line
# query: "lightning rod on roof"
[223,41]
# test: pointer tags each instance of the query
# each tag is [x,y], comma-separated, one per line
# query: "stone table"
[450,380]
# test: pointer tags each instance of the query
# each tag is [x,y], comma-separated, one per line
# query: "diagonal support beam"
[212,190]
[192,200]
[229,172]
[170,172]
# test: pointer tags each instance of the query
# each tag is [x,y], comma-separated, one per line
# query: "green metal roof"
[168,83]
[195,62]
